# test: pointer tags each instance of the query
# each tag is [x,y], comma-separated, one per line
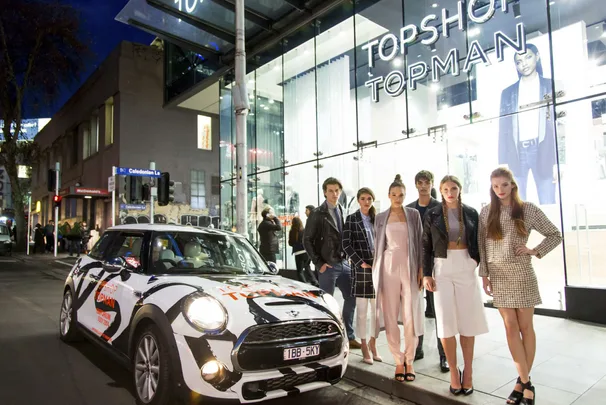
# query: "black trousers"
[304,273]
[430,309]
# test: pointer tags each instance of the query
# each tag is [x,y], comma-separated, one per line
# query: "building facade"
[116,119]
[363,90]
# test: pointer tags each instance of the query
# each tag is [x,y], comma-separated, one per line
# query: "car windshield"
[3,230]
[204,253]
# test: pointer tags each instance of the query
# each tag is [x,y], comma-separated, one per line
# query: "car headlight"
[205,313]
[332,304]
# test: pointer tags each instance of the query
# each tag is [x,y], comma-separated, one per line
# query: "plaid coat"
[357,247]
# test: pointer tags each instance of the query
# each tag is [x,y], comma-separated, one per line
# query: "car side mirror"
[114,265]
[273,268]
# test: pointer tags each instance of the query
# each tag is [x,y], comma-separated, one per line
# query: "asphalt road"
[37,368]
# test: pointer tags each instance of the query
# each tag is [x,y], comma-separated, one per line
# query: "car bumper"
[257,386]
[5,247]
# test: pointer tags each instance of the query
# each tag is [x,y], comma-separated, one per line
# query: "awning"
[83,192]
[207,27]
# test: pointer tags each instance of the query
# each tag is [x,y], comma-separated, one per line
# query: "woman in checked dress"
[507,273]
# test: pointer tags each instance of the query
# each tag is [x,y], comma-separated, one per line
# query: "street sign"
[140,207]
[111,183]
[129,171]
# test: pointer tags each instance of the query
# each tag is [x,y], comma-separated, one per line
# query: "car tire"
[68,319]
[152,367]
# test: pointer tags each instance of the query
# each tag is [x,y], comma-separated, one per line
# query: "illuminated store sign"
[388,46]
[189,5]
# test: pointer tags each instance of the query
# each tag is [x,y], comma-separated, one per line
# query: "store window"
[582,176]
[228,202]
[300,123]
[301,190]
[227,146]
[579,51]
[385,120]
[109,121]
[198,189]
[205,136]
[518,82]
[269,116]
[336,82]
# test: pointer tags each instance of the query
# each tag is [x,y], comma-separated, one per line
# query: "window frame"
[197,196]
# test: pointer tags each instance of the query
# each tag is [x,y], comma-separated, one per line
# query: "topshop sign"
[390,45]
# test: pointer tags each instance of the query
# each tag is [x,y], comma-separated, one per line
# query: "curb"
[424,390]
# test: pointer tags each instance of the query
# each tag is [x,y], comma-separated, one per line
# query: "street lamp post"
[241,107]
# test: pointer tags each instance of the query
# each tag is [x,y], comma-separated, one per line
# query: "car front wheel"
[68,318]
[151,369]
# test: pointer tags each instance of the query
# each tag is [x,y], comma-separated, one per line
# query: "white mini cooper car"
[197,313]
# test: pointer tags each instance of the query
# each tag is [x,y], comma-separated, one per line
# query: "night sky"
[104,34]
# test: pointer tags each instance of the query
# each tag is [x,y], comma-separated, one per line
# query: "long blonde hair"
[455,180]
[493,228]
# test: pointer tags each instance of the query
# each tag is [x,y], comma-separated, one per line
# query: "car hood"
[261,299]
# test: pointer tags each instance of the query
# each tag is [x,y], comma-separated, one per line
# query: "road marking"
[8,261]
[67,264]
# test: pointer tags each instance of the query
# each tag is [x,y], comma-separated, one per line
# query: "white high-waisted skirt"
[458,298]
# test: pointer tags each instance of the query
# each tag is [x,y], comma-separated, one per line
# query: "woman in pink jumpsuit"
[397,273]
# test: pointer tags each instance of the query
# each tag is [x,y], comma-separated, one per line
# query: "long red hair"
[494,229]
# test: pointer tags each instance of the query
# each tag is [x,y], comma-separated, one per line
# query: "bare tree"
[41,50]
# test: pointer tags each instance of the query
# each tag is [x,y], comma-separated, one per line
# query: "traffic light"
[166,189]
[57,201]
[134,189]
[51,181]
[146,193]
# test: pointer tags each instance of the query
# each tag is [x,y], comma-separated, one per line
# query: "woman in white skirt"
[450,259]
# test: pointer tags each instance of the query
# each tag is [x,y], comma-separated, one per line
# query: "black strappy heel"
[401,377]
[516,396]
[457,391]
[528,386]
[407,376]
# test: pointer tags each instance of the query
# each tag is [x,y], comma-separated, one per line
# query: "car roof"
[171,228]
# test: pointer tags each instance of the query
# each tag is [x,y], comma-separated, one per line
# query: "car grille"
[293,331]
[258,389]
[262,347]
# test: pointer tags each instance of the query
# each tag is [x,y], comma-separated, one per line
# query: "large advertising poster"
[522,136]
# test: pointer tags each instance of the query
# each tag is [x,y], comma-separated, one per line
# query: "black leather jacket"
[435,238]
[322,239]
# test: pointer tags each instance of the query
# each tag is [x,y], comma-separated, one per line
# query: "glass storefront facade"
[356,96]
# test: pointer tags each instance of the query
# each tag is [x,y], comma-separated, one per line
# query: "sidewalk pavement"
[570,366]
[43,257]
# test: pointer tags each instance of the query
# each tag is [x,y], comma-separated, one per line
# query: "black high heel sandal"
[457,391]
[400,377]
[466,391]
[528,386]
[516,396]
[409,377]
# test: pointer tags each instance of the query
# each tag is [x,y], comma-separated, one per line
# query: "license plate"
[296,353]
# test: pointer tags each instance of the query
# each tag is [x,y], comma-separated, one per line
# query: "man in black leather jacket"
[424,184]
[323,242]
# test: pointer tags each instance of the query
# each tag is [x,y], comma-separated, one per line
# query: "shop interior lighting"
[474,32]
[397,62]
[434,5]
[516,10]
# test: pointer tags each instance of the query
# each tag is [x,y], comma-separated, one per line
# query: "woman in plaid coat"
[358,244]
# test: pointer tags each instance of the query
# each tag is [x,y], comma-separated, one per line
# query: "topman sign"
[389,45]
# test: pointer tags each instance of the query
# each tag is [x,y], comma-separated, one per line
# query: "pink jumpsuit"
[396,294]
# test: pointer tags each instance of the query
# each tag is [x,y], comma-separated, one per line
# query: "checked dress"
[514,282]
